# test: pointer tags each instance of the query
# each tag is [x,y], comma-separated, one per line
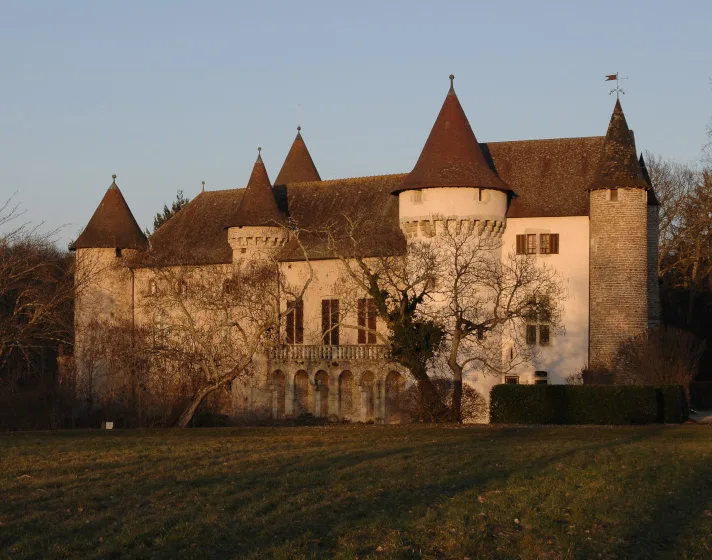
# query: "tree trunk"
[189,411]
[456,369]
[433,409]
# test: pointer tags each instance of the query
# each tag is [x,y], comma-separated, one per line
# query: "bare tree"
[211,323]
[483,298]
[660,356]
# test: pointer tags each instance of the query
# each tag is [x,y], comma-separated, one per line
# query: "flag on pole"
[611,77]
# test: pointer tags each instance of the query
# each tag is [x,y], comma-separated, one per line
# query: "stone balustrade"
[328,352]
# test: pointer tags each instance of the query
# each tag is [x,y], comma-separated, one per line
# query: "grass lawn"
[359,492]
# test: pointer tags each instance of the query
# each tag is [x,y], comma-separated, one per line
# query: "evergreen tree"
[162,217]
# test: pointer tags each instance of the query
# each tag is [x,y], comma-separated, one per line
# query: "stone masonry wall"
[618,271]
[653,283]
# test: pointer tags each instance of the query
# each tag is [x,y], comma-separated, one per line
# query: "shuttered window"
[549,243]
[366,321]
[295,322]
[330,321]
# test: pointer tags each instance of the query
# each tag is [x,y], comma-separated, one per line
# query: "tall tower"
[256,229]
[104,284]
[452,180]
[653,228]
[618,259]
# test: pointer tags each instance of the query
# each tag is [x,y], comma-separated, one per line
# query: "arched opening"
[301,392]
[394,390]
[368,400]
[346,395]
[278,392]
[321,397]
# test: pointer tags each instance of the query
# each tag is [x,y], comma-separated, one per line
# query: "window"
[295,322]
[152,288]
[549,243]
[182,288]
[367,321]
[118,253]
[330,321]
[538,317]
[531,334]
[479,195]
[614,195]
[531,244]
[541,382]
[544,335]
[417,197]
[227,286]
[511,379]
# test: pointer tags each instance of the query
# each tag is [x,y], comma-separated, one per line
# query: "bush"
[582,404]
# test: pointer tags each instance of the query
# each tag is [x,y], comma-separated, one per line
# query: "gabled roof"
[258,206]
[298,167]
[618,166]
[112,225]
[451,156]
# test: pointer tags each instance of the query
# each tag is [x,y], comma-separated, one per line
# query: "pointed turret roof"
[652,199]
[619,166]
[298,166]
[112,225]
[258,206]
[452,157]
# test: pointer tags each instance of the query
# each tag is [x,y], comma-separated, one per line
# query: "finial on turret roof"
[299,128]
[203,186]
[452,83]
[114,176]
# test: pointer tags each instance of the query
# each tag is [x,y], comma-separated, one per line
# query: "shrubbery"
[582,404]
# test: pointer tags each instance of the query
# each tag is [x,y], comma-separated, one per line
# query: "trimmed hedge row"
[582,404]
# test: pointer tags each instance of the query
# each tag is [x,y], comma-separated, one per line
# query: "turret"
[105,287]
[256,230]
[653,226]
[619,252]
[298,166]
[452,180]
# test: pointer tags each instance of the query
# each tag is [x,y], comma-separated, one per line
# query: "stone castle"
[583,205]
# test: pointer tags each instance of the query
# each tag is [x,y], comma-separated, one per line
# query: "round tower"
[452,180]
[256,229]
[618,260]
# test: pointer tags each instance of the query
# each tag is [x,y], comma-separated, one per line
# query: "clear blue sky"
[166,94]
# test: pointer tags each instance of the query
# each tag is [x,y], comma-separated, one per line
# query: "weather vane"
[617,90]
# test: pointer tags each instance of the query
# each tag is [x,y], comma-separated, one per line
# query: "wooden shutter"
[290,322]
[521,244]
[554,243]
[299,323]
[325,320]
[335,321]
[361,321]
[371,309]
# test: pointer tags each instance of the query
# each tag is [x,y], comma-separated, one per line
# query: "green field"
[359,492]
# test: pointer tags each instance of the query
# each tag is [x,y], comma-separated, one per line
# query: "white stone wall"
[568,350]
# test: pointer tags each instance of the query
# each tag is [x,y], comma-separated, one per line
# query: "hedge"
[582,404]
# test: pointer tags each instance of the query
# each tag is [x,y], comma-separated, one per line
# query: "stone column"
[317,402]
[334,396]
[289,395]
[364,405]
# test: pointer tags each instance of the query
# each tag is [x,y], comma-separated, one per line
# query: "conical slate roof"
[652,199]
[298,167]
[258,206]
[619,166]
[452,157]
[112,225]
